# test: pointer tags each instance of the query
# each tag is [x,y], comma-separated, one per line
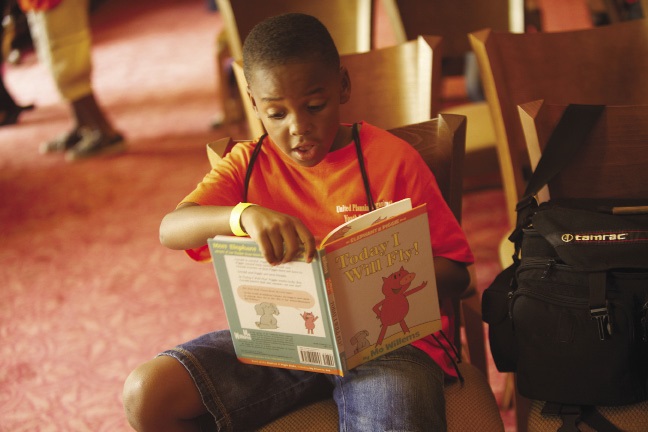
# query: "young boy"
[306,169]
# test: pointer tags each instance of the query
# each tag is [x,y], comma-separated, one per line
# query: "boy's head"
[288,38]
[296,85]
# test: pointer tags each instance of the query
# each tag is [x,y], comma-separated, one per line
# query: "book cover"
[370,289]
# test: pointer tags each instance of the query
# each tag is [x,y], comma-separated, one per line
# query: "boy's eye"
[316,108]
[276,115]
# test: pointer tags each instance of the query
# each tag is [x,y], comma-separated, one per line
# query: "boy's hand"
[280,237]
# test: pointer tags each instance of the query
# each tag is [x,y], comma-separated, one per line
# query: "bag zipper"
[548,264]
[560,300]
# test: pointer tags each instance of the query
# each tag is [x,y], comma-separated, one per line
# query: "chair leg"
[473,324]
[522,409]
[509,391]
[475,332]
[522,405]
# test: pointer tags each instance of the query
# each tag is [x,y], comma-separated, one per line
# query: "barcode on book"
[322,357]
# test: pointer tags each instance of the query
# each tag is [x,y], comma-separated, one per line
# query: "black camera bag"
[570,315]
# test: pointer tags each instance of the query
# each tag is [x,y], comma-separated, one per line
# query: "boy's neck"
[343,138]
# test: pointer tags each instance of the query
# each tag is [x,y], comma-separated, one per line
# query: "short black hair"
[288,38]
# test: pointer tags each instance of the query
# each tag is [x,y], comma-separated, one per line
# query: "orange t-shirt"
[37,5]
[328,194]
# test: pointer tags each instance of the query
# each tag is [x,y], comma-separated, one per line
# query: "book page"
[384,285]
[274,298]
[367,219]
[278,315]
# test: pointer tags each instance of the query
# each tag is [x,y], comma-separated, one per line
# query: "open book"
[370,289]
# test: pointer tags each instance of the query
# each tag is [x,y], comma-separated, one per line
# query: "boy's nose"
[299,126]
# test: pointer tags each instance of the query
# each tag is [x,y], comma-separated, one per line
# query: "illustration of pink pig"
[309,321]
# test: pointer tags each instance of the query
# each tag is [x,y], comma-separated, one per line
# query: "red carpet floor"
[86,290]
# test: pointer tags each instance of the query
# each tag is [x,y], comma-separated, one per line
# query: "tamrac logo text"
[567,238]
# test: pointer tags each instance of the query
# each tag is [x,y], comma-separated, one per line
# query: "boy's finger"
[308,241]
[292,246]
[267,249]
[277,247]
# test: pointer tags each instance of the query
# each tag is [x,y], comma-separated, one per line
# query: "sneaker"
[96,143]
[61,143]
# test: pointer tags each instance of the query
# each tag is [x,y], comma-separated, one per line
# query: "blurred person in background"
[61,33]
[9,109]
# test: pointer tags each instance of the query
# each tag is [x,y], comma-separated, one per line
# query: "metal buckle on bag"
[525,208]
[602,318]
[525,202]
[598,303]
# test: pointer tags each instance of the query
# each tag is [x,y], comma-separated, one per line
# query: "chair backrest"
[441,142]
[390,87]
[452,20]
[613,162]
[394,86]
[348,21]
[603,65]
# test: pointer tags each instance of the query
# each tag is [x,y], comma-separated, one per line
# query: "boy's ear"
[345,85]
[253,102]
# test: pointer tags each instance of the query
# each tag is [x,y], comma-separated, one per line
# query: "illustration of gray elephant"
[267,312]
[360,341]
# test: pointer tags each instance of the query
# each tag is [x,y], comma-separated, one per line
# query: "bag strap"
[571,415]
[567,138]
[591,416]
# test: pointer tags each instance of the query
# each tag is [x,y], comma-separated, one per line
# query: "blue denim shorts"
[400,391]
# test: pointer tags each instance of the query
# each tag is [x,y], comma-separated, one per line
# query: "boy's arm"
[451,276]
[280,237]
[190,225]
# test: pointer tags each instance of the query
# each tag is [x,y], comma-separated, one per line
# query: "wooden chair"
[348,21]
[471,405]
[603,65]
[390,87]
[612,164]
[453,20]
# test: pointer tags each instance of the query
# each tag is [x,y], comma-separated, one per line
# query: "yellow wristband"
[235,219]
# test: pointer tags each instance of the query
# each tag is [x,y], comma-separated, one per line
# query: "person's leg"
[9,109]
[6,101]
[63,40]
[173,391]
[400,391]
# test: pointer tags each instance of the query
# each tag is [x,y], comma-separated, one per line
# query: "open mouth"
[305,152]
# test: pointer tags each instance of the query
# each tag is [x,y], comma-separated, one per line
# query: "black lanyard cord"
[248,172]
[363,171]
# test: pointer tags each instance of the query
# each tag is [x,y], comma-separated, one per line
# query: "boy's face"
[299,105]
